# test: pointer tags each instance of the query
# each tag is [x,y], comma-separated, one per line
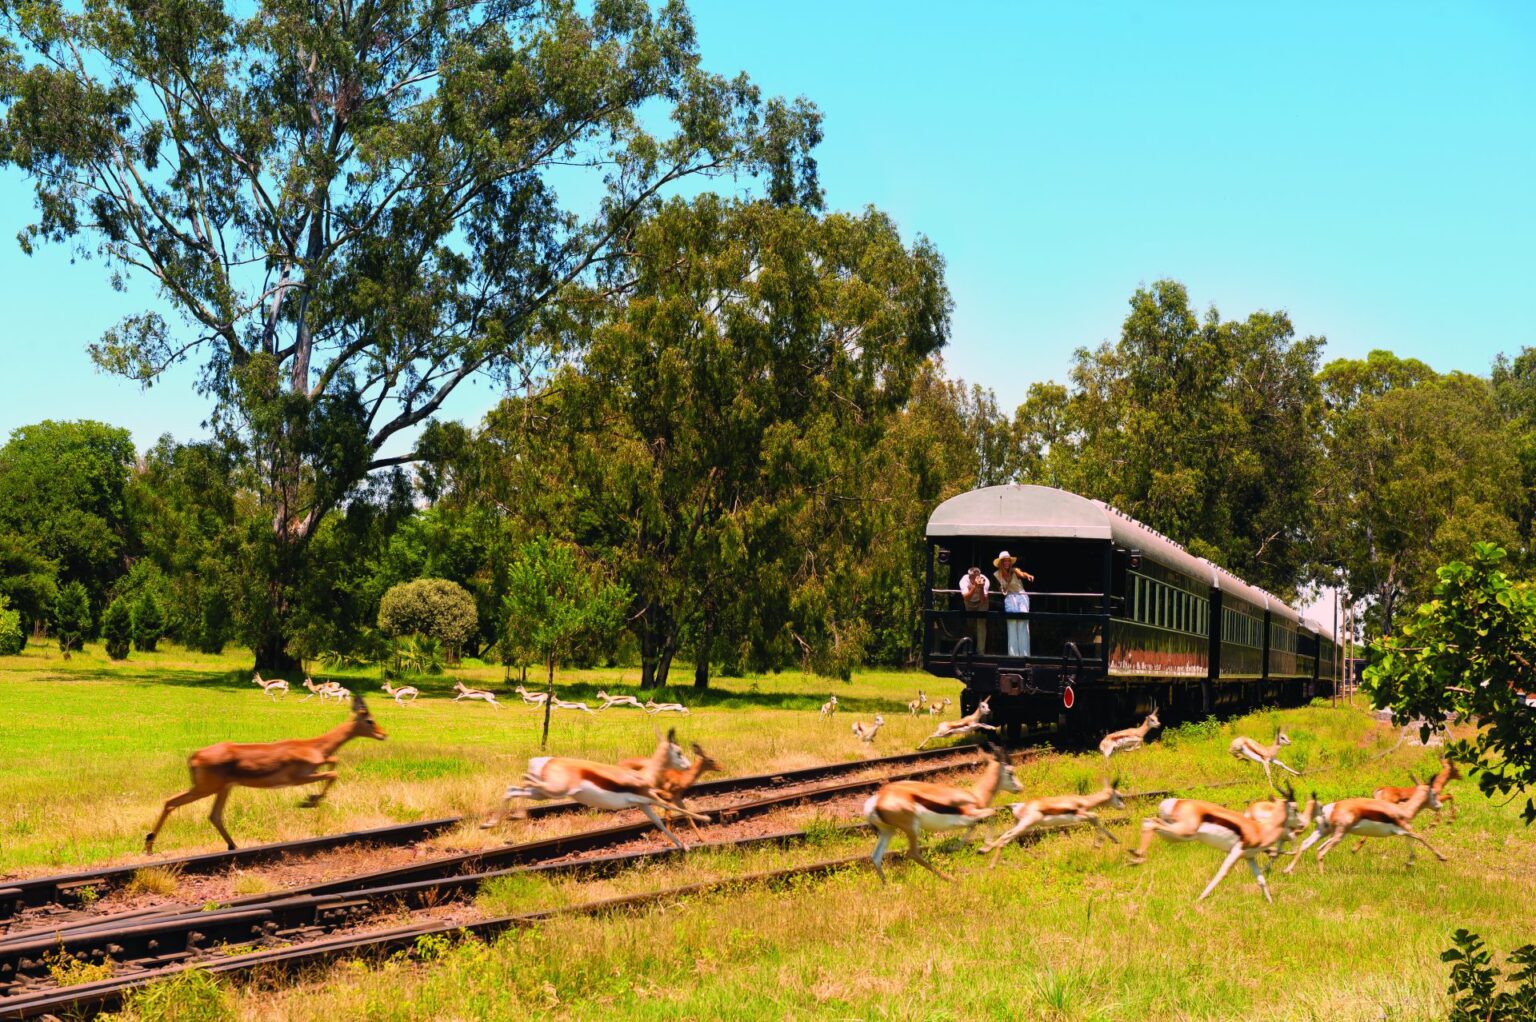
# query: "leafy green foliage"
[1476,994]
[416,654]
[430,607]
[28,580]
[148,622]
[12,638]
[117,628]
[72,617]
[1469,652]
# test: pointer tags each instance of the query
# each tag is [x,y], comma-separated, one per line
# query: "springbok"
[1448,772]
[652,706]
[325,690]
[220,768]
[937,709]
[561,704]
[600,786]
[277,685]
[531,698]
[916,706]
[465,692]
[866,732]
[674,784]
[912,807]
[829,707]
[1056,812]
[968,724]
[1241,836]
[1370,817]
[403,692]
[609,701]
[1263,755]
[1131,737]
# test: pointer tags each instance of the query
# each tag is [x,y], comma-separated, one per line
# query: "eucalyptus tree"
[341,212]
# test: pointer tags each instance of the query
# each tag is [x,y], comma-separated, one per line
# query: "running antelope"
[1370,817]
[403,692]
[533,698]
[1241,836]
[220,768]
[609,701]
[937,709]
[600,786]
[325,690]
[1056,812]
[968,724]
[1131,737]
[1448,772]
[465,692]
[561,704]
[652,706]
[674,784]
[911,807]
[829,707]
[916,706]
[866,732]
[1263,755]
[277,685]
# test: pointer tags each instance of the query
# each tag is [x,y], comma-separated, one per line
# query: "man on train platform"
[974,589]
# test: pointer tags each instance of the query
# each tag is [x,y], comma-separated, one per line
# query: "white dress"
[1015,599]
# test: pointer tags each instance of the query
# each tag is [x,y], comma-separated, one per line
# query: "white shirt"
[968,586]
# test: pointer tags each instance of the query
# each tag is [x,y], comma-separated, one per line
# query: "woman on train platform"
[1010,583]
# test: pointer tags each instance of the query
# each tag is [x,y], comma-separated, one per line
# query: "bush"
[72,617]
[431,607]
[117,628]
[1474,990]
[148,622]
[13,638]
[214,623]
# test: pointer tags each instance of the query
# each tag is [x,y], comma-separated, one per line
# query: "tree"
[1469,652]
[349,211]
[555,603]
[62,487]
[117,628]
[148,622]
[736,383]
[430,607]
[28,580]
[72,617]
[12,639]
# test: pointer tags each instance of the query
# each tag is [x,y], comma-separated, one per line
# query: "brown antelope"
[674,784]
[220,768]
[325,690]
[968,724]
[277,685]
[1448,772]
[1131,737]
[652,706]
[465,692]
[403,692]
[916,706]
[532,698]
[1263,755]
[866,732]
[600,786]
[609,701]
[937,709]
[1241,836]
[911,807]
[829,707]
[1370,817]
[1056,812]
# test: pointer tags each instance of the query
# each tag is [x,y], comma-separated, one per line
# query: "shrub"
[432,607]
[72,617]
[214,623]
[148,622]
[1474,990]
[13,638]
[117,628]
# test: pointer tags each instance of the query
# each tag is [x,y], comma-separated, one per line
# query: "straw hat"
[997,562]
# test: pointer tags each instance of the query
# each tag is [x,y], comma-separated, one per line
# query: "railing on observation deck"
[1080,621]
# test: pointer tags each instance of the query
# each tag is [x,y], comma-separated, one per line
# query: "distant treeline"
[765,515]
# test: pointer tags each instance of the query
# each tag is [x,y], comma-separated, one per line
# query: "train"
[1120,619]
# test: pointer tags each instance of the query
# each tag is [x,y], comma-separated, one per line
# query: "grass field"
[1061,930]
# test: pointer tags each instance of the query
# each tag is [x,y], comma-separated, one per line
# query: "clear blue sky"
[1371,168]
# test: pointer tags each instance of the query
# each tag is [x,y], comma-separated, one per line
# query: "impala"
[674,784]
[829,707]
[609,700]
[1055,812]
[915,706]
[1370,817]
[465,692]
[1263,755]
[912,807]
[1239,835]
[277,685]
[531,698]
[1131,737]
[866,732]
[220,768]
[968,724]
[600,786]
[403,692]
[1448,772]
[652,706]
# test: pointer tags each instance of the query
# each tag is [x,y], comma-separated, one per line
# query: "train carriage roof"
[1044,512]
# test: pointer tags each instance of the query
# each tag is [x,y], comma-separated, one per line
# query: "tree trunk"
[701,655]
[549,699]
[701,672]
[664,664]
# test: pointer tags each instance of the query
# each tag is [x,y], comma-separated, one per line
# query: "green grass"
[1060,930]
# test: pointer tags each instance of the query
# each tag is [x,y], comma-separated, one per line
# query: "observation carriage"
[1120,619]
